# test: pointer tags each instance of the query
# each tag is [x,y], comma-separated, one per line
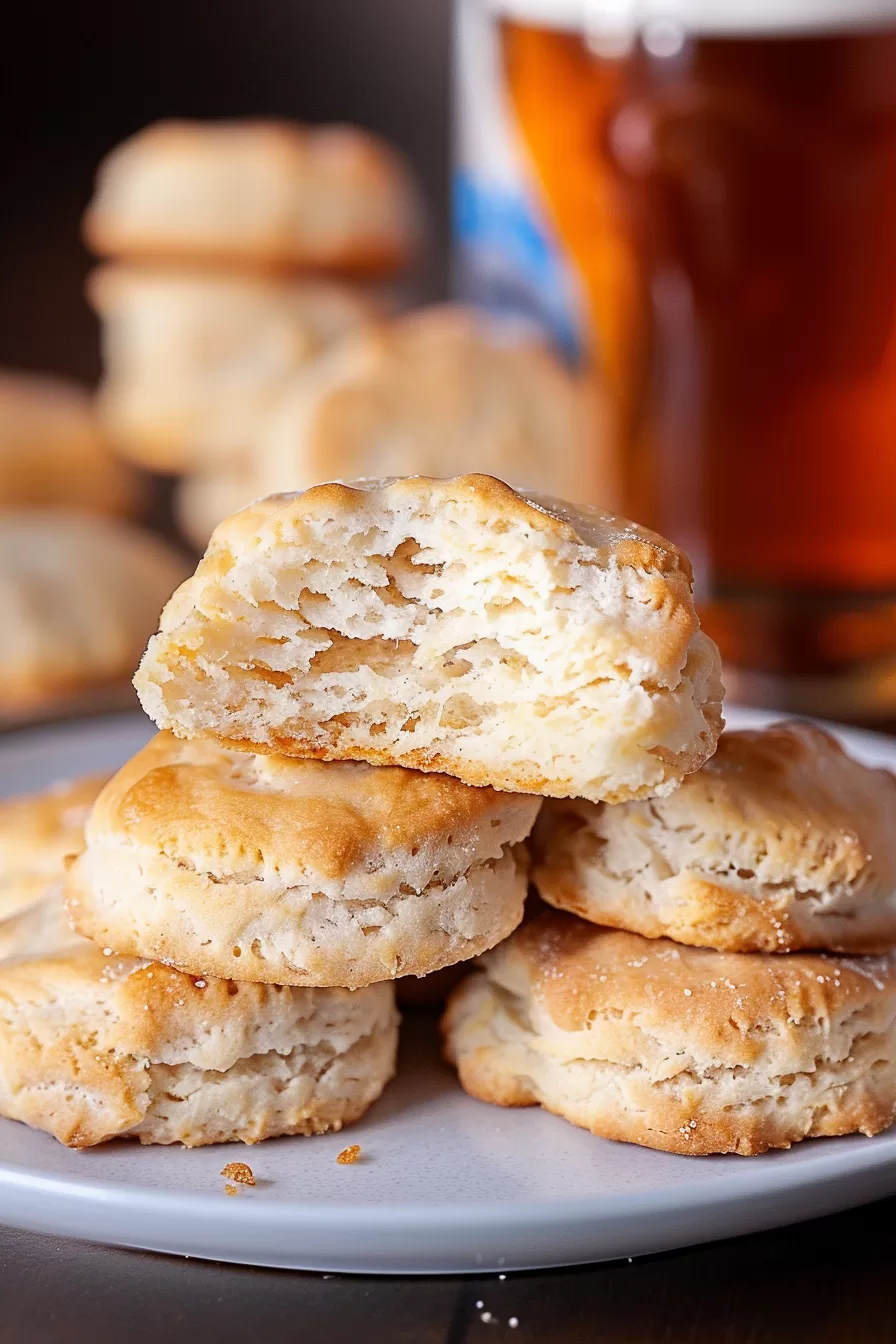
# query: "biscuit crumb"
[230,1189]
[239,1172]
[349,1155]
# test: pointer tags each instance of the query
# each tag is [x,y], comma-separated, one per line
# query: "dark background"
[78,78]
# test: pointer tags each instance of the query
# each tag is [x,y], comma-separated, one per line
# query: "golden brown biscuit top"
[489,500]
[255,192]
[233,144]
[577,970]
[38,830]
[141,1006]
[789,801]
[234,811]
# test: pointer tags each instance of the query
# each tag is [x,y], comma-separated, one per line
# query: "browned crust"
[195,799]
[628,543]
[728,990]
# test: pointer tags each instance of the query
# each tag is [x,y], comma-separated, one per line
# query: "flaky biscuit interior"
[444,625]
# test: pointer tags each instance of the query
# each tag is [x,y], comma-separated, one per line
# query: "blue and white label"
[507,258]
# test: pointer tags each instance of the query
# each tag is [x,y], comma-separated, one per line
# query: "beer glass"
[699,196]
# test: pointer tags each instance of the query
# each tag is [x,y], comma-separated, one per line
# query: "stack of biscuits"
[364,694]
[249,342]
[687,992]
[370,699]
[238,250]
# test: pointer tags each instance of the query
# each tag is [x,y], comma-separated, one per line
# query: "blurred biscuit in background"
[192,359]
[79,597]
[255,194]
[438,392]
[53,450]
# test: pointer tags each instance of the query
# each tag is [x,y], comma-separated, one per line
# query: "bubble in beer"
[663,38]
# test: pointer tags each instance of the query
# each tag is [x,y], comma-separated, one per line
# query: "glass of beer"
[699,197]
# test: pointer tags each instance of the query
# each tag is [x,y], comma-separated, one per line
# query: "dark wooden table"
[826,1282]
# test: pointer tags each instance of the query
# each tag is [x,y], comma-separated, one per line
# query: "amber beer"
[722,175]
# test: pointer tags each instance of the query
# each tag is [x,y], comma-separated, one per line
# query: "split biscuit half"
[444,625]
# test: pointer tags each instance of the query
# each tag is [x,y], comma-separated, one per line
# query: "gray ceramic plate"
[446,1185]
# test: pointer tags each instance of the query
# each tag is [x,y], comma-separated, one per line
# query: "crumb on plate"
[349,1155]
[240,1172]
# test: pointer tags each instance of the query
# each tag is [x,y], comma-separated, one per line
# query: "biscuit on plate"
[192,359]
[38,831]
[53,450]
[297,872]
[437,392]
[781,841]
[448,625]
[684,1049]
[96,1046]
[258,194]
[79,596]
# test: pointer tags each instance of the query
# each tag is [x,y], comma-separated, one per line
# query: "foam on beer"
[619,18]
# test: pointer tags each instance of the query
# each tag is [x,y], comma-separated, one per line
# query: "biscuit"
[297,872]
[780,842]
[444,625]
[258,194]
[94,1047]
[205,498]
[684,1049]
[79,596]
[192,360]
[38,831]
[40,928]
[53,451]
[437,392]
